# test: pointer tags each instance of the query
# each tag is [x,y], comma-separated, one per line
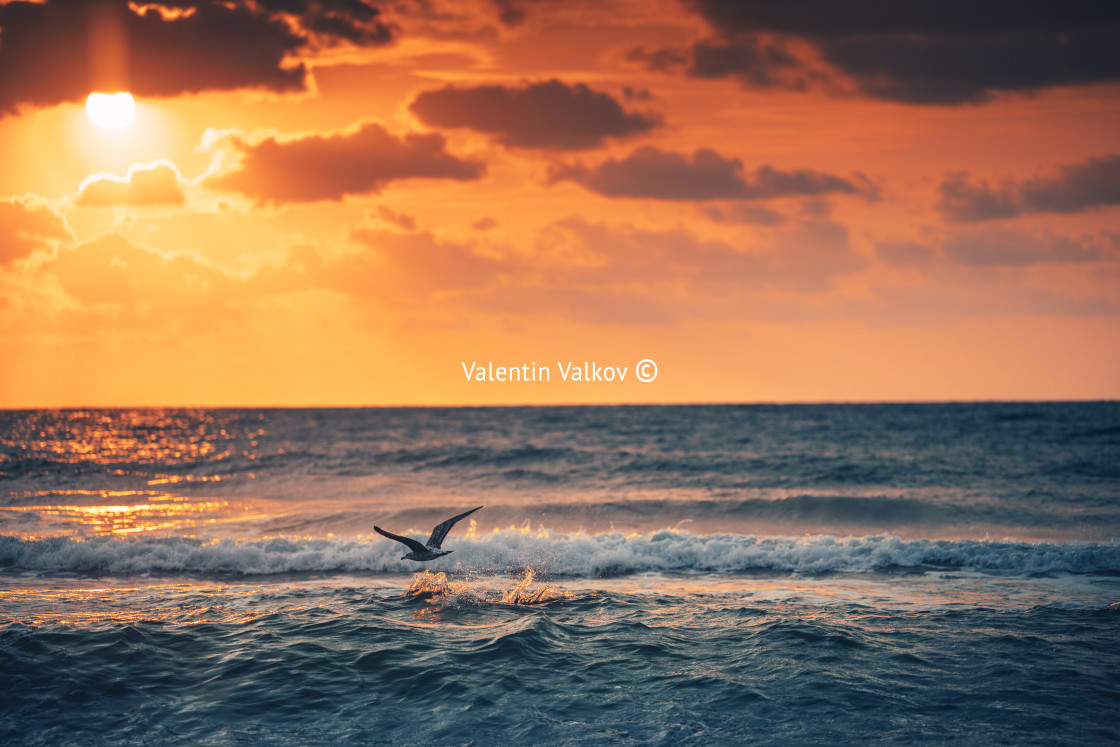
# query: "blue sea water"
[639,575]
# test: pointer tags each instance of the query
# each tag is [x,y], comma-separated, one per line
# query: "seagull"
[431,550]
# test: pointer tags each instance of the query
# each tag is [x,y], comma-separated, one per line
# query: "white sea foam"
[575,554]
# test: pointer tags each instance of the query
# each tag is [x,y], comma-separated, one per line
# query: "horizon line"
[446,406]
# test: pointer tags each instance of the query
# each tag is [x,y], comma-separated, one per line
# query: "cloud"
[757,61]
[59,50]
[112,270]
[918,53]
[412,265]
[589,271]
[905,252]
[608,274]
[747,215]
[326,21]
[810,254]
[991,247]
[400,220]
[112,274]
[973,69]
[805,256]
[510,12]
[25,227]
[962,201]
[157,183]
[1094,182]
[953,295]
[662,175]
[550,115]
[823,19]
[329,167]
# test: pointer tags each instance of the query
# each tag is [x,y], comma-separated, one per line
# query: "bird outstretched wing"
[441,530]
[412,544]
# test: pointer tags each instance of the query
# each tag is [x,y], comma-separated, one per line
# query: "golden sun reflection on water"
[176,603]
[157,512]
[173,479]
[134,437]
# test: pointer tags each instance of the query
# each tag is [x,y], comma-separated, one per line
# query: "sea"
[667,575]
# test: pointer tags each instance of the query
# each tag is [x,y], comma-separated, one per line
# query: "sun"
[110,111]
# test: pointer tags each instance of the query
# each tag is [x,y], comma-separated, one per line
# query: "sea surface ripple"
[304,663]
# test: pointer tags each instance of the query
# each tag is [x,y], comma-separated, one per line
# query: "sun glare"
[110,111]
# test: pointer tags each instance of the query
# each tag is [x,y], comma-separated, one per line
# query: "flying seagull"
[431,550]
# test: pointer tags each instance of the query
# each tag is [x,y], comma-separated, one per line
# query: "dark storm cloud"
[540,115]
[825,19]
[329,167]
[921,52]
[959,70]
[1076,187]
[756,61]
[752,58]
[706,175]
[352,20]
[60,50]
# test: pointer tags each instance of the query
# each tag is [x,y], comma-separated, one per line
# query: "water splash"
[438,589]
[523,593]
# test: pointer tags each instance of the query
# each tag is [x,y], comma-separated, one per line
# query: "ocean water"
[638,575]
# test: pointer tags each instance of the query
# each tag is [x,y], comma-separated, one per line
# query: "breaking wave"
[574,554]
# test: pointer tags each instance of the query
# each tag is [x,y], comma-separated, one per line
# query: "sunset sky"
[342,202]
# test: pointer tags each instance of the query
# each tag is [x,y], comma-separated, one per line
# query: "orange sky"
[319,204]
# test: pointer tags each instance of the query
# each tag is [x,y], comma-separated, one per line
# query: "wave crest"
[575,554]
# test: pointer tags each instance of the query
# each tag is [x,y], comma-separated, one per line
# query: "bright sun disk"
[110,111]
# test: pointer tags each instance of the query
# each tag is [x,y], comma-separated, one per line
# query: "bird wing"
[441,530]
[412,544]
